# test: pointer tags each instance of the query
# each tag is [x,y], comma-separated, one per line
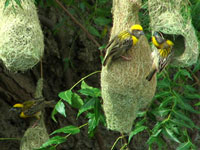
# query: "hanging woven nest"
[173,19]
[124,87]
[21,37]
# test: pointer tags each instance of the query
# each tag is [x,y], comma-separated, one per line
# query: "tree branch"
[78,23]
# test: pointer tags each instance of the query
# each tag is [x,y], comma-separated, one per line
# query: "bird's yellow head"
[137,31]
[136,27]
[18,106]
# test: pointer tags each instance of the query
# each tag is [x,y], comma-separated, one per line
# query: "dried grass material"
[34,137]
[21,37]
[173,18]
[123,85]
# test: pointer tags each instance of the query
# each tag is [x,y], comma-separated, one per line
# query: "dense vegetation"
[172,118]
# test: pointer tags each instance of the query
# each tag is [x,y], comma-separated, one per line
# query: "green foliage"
[90,105]
[7,2]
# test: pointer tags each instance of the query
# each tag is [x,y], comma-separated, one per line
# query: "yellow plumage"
[164,48]
[121,43]
[32,108]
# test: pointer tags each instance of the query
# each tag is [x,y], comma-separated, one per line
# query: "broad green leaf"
[136,131]
[93,123]
[66,96]
[102,21]
[103,12]
[84,85]
[53,140]
[60,107]
[87,106]
[68,129]
[184,146]
[171,135]
[53,113]
[77,102]
[89,91]
[94,31]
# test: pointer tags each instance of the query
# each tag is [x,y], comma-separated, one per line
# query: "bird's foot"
[126,58]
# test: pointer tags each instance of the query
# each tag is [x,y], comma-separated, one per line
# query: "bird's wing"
[32,107]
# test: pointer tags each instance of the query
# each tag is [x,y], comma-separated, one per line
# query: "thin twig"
[78,23]
[194,76]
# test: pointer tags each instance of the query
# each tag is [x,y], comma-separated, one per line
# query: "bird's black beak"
[141,33]
[13,109]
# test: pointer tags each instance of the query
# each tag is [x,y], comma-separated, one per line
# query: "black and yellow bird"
[121,43]
[164,54]
[32,108]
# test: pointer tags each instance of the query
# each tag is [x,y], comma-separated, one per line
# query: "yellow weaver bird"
[32,108]
[121,43]
[164,54]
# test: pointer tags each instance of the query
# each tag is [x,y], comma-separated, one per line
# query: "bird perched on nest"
[32,108]
[121,43]
[162,56]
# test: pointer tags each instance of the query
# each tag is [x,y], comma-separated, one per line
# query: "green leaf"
[163,94]
[77,102]
[167,101]
[94,31]
[197,104]
[165,83]
[141,113]
[84,85]
[60,107]
[185,73]
[68,129]
[192,96]
[93,123]
[184,146]
[136,131]
[6,3]
[161,111]
[153,137]
[184,105]
[197,66]
[97,107]
[189,88]
[102,21]
[183,117]
[89,91]
[54,112]
[180,123]
[87,106]
[18,3]
[53,140]
[171,135]
[66,96]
